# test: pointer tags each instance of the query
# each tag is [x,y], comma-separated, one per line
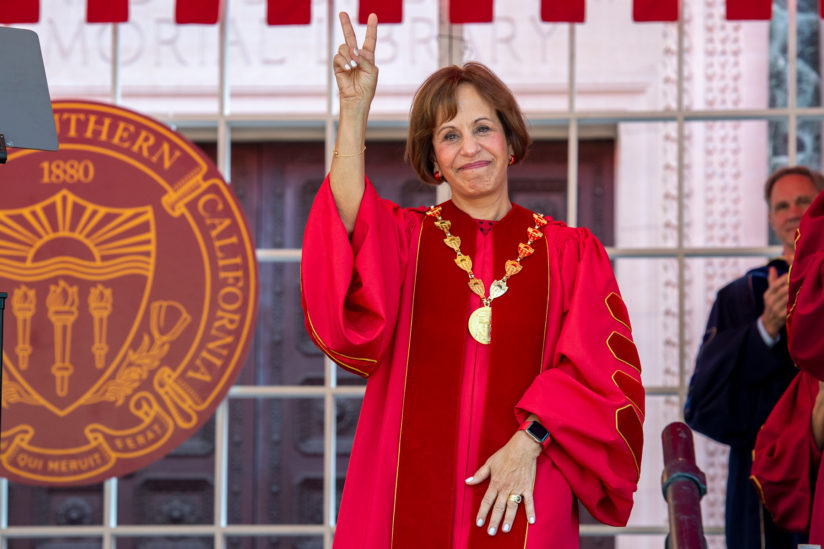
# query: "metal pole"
[683,485]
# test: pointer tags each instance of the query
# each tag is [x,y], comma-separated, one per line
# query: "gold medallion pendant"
[480,324]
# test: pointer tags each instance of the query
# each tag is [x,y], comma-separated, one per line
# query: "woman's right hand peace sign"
[355,69]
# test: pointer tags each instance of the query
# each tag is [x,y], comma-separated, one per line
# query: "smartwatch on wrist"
[538,432]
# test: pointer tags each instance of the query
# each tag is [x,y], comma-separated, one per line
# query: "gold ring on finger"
[515,498]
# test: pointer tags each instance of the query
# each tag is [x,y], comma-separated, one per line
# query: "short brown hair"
[435,101]
[815,178]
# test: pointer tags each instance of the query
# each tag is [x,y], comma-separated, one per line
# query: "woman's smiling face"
[471,150]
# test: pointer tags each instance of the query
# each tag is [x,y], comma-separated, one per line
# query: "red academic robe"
[389,304]
[805,309]
[786,464]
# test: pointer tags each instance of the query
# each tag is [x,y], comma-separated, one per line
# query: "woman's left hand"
[511,471]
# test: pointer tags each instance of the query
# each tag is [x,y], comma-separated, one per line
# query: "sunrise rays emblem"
[114,241]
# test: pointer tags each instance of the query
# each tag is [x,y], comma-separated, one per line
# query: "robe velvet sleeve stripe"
[616,307]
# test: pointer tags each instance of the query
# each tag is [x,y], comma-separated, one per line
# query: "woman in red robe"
[787,457]
[503,382]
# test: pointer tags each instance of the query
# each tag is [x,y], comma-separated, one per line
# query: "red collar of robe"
[424,498]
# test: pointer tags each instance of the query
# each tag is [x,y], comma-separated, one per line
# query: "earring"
[437,176]
[511,159]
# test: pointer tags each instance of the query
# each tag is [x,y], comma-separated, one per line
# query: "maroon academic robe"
[805,310]
[786,464]
[390,304]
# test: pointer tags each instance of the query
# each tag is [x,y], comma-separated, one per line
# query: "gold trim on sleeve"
[636,367]
[633,380]
[760,489]
[612,313]
[621,434]
[329,352]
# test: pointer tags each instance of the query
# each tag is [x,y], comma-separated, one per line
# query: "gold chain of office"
[480,321]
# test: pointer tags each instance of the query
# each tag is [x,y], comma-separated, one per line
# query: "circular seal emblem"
[132,296]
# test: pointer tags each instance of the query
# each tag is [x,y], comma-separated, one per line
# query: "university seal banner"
[132,295]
